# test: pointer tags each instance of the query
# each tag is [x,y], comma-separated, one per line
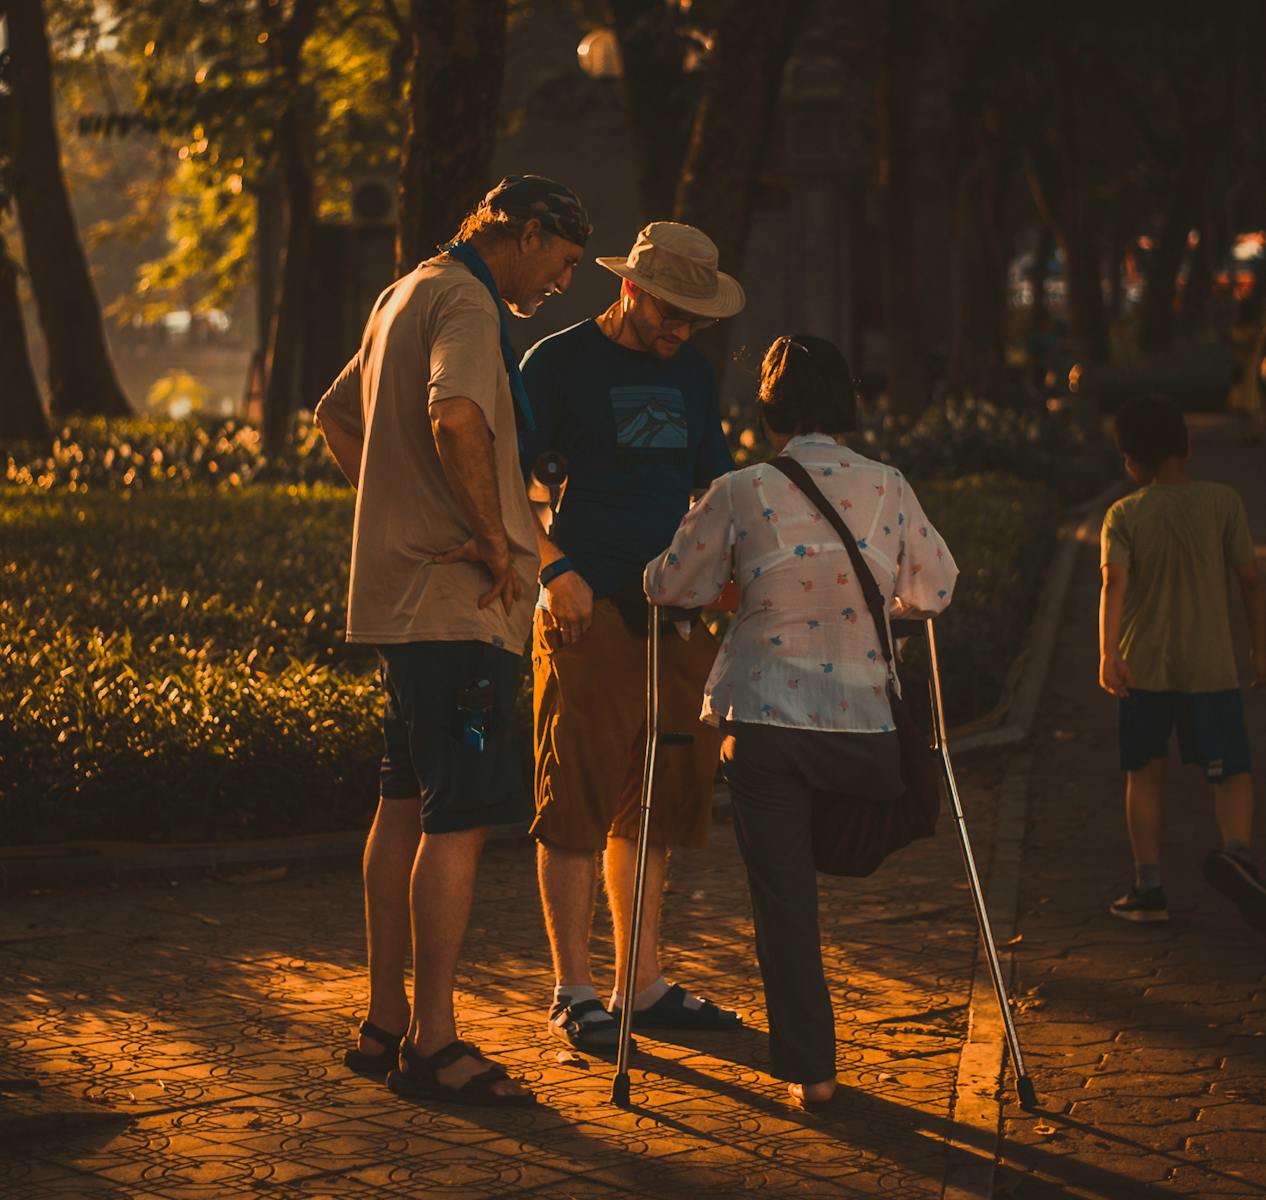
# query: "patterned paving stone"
[1137,1038]
[215,1018]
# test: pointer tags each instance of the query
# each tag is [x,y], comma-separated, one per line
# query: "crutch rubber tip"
[1024,1089]
[620,1091]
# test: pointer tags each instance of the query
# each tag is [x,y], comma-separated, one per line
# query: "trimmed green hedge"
[172,665]
[135,453]
[946,442]
[1001,531]
[968,437]
[172,662]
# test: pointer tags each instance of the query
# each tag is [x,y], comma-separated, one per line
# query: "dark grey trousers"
[772,773]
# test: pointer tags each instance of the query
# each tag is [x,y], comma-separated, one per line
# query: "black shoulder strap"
[870,589]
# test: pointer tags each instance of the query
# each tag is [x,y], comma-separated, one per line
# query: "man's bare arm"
[464,443]
[347,448]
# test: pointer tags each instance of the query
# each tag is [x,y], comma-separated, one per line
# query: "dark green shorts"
[430,750]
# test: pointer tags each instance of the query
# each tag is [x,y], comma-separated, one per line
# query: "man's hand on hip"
[570,605]
[494,553]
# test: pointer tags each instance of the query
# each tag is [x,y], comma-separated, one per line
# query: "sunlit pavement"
[211,1018]
[215,1016]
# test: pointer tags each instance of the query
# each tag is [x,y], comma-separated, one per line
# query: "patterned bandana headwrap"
[555,205]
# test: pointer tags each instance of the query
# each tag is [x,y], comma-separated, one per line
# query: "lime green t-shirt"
[1177,540]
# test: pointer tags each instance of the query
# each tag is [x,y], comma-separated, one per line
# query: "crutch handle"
[676,739]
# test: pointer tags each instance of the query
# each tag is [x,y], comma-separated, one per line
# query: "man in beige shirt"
[425,423]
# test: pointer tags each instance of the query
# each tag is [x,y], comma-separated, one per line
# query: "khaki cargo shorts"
[589,717]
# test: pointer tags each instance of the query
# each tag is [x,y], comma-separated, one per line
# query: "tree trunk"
[732,131]
[1156,319]
[296,147]
[1087,317]
[80,374]
[455,77]
[21,409]
[295,136]
[659,98]
[977,361]
[1037,275]
[897,91]
[1115,264]
[1063,199]
[1198,294]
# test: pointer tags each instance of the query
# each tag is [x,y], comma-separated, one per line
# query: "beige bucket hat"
[678,264]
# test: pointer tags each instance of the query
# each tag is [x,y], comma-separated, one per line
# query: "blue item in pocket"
[474,711]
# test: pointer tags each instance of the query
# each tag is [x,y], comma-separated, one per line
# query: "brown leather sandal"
[417,1078]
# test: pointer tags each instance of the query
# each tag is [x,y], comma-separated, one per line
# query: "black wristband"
[560,566]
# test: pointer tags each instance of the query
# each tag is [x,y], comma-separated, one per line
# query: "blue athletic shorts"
[1210,727]
[427,751]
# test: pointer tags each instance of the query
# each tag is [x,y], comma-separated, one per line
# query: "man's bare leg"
[620,873]
[442,890]
[620,865]
[1233,804]
[1143,810]
[568,880]
[390,851]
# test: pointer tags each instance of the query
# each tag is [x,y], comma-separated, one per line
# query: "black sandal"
[417,1078]
[597,1037]
[364,1063]
[670,1012]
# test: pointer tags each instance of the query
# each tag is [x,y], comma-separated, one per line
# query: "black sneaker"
[1240,881]
[1146,907]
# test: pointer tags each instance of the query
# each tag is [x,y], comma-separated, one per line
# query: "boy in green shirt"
[1165,650]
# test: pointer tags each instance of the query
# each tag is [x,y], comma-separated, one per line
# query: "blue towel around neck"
[466,254]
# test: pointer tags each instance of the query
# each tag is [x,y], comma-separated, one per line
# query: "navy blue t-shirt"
[639,434]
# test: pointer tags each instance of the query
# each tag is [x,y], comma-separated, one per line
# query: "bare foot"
[812,1095]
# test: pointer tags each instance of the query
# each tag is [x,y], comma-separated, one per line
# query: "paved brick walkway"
[1148,1044]
[214,1015]
[187,1039]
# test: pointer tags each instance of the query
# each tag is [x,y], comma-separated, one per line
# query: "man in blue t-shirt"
[633,408]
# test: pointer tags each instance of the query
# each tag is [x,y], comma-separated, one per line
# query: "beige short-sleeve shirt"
[1177,542]
[433,335]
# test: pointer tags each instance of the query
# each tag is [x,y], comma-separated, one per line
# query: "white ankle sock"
[650,994]
[574,993]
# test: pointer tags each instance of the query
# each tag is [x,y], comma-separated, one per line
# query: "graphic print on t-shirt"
[650,424]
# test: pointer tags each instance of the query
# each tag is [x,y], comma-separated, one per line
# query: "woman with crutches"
[800,686]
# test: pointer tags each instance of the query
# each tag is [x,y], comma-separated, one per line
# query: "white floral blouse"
[802,651]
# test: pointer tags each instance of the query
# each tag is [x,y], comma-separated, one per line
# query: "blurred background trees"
[976,198]
[1006,214]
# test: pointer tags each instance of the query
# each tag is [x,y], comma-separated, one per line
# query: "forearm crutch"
[620,1084]
[1023,1084]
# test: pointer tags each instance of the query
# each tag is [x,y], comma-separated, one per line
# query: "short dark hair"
[806,386]
[1150,430]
